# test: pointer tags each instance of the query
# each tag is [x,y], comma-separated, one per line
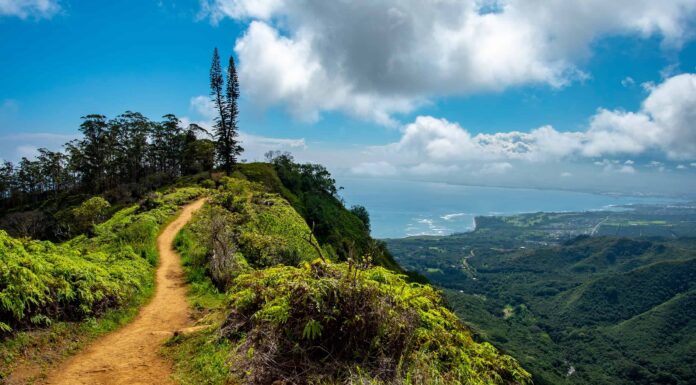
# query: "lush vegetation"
[599,310]
[42,283]
[312,192]
[330,323]
[282,309]
[245,227]
[121,159]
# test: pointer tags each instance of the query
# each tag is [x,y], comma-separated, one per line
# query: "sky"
[589,95]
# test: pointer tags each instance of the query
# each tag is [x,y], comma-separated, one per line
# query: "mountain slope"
[281,315]
[599,310]
[130,354]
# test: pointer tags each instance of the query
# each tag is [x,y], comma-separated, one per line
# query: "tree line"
[127,149]
[130,149]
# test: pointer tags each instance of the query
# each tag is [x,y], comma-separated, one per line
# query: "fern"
[312,330]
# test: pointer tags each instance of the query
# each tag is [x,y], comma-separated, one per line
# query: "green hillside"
[584,310]
[288,306]
[55,297]
[278,272]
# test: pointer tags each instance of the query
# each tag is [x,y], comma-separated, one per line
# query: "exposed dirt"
[130,355]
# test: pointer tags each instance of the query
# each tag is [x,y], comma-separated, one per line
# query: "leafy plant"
[322,321]
[41,281]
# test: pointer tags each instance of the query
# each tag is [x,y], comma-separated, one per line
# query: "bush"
[41,281]
[242,226]
[334,323]
[89,213]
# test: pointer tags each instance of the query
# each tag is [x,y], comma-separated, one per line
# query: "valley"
[599,297]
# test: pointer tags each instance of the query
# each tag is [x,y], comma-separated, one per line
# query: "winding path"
[130,355]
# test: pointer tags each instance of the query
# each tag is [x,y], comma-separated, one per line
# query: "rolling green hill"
[582,310]
[286,284]
[300,308]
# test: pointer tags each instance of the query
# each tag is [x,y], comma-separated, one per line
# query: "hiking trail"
[130,355]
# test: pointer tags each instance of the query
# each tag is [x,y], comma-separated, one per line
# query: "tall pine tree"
[232,147]
[225,129]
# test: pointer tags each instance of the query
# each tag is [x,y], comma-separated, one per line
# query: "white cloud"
[430,169]
[441,140]
[38,9]
[628,82]
[15,146]
[665,123]
[681,167]
[496,168]
[374,169]
[566,174]
[663,127]
[376,59]
[278,70]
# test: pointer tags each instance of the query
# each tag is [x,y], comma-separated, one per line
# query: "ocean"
[405,208]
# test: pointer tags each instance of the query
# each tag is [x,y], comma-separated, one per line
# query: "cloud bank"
[664,124]
[24,9]
[377,59]
[616,152]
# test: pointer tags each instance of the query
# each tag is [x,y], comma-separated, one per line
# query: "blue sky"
[400,89]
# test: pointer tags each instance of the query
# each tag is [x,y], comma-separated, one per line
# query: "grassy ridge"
[281,313]
[102,279]
[338,229]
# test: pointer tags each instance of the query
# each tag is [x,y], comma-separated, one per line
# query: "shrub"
[89,213]
[330,323]
[41,281]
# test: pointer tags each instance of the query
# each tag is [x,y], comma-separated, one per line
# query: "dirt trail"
[130,355]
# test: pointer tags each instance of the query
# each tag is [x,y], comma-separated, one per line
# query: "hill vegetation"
[283,307]
[332,309]
[49,285]
[599,310]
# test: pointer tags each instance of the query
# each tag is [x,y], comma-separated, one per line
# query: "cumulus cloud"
[23,9]
[614,166]
[664,123]
[662,127]
[280,70]
[377,59]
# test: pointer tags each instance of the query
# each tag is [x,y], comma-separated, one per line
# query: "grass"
[380,327]
[30,355]
[74,292]
[199,357]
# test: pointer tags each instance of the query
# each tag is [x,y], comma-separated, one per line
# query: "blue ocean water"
[405,208]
